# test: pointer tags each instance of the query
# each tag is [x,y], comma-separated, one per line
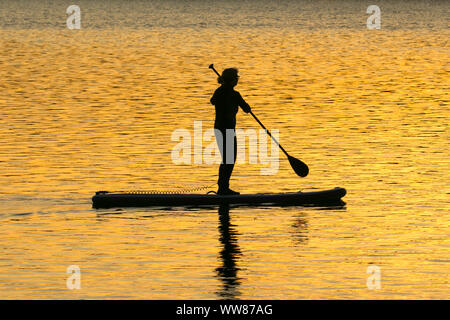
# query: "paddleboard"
[105,199]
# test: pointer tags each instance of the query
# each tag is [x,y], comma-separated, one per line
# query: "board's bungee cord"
[181,191]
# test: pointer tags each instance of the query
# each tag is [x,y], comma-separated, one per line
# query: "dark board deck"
[105,199]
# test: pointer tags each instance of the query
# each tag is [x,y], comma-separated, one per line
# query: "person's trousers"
[227,143]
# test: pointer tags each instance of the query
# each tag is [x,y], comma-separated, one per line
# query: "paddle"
[300,168]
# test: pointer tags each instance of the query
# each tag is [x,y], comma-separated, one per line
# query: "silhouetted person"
[227,102]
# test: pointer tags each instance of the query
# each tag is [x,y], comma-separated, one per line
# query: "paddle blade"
[300,168]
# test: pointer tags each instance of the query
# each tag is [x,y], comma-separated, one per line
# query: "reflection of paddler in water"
[229,254]
[227,102]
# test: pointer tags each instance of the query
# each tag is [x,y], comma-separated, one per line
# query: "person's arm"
[244,105]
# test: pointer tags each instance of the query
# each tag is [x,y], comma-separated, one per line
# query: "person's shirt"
[227,102]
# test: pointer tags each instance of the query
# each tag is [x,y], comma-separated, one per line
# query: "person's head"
[229,77]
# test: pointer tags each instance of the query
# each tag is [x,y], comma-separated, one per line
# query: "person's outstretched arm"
[244,105]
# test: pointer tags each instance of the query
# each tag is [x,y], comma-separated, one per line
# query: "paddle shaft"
[257,120]
[270,135]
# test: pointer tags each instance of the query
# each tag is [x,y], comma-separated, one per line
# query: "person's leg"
[228,145]
[221,143]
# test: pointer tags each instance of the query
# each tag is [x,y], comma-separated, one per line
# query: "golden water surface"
[94,109]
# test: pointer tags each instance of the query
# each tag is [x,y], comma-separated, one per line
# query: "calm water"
[94,109]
